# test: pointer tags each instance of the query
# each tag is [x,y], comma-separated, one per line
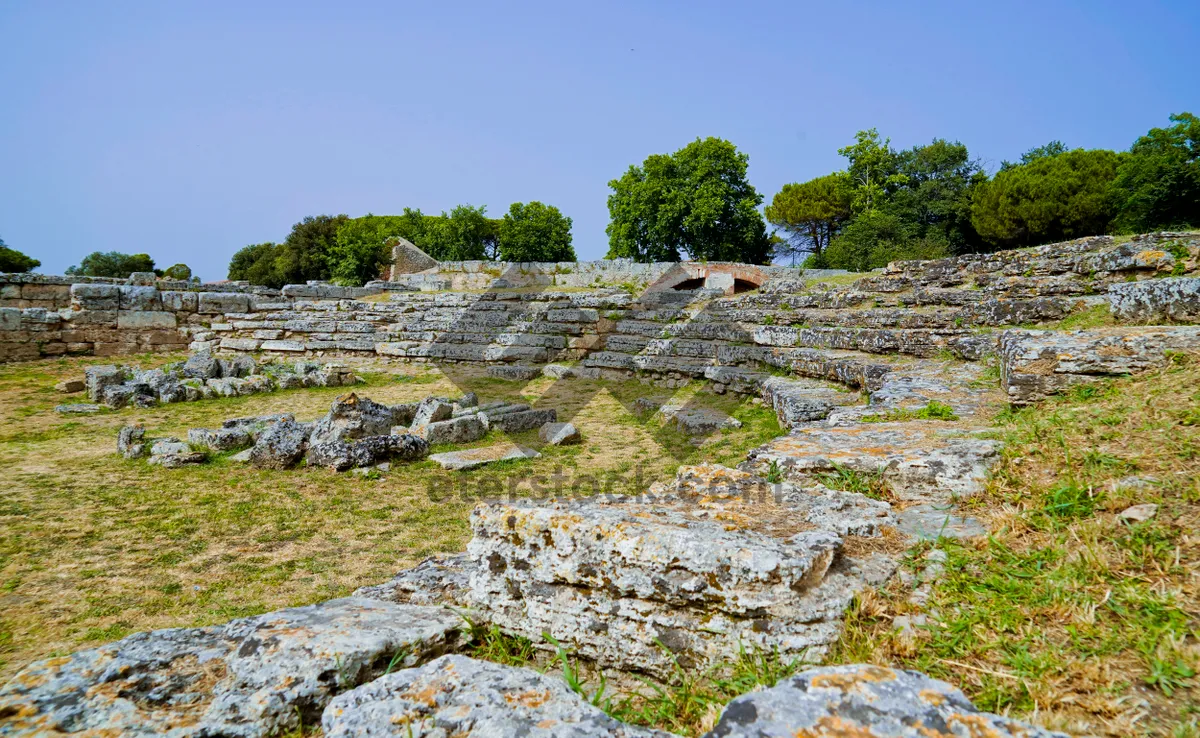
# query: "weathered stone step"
[1036,364]
[920,460]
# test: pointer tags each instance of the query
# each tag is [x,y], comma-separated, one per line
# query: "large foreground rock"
[867,701]
[642,586]
[459,696]
[255,676]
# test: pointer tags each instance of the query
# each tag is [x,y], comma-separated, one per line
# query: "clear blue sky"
[187,130]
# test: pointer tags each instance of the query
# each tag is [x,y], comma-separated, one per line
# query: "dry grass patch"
[93,547]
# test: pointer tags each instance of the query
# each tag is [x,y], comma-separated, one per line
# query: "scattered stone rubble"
[356,433]
[204,376]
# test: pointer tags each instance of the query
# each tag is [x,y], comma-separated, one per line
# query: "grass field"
[93,547]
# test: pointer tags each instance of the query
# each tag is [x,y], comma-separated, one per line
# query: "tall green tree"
[305,254]
[872,169]
[535,232]
[13,261]
[935,197]
[695,201]
[256,264]
[112,264]
[1054,148]
[463,234]
[1158,184]
[1049,199]
[811,213]
[361,248]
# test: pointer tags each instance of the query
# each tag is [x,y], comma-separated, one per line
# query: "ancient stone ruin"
[892,376]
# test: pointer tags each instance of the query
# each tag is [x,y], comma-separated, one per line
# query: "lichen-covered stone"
[797,401]
[920,460]
[441,580]
[257,676]
[99,378]
[616,581]
[351,417]
[363,452]
[131,442]
[864,700]
[476,457]
[463,429]
[1156,300]
[221,439]
[280,446]
[522,420]
[432,410]
[1036,364]
[460,696]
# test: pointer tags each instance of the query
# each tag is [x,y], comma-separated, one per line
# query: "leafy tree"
[13,261]
[464,234]
[361,248]
[1158,184]
[256,264]
[305,254]
[535,232]
[178,271]
[811,213]
[910,204]
[935,197]
[696,200]
[112,264]
[872,171]
[1051,198]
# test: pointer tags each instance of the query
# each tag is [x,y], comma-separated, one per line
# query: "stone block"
[142,320]
[139,298]
[559,434]
[219,303]
[95,297]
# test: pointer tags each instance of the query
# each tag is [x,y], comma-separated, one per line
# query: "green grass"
[871,484]
[933,411]
[1066,612]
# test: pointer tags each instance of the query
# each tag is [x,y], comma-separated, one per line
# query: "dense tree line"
[354,250]
[924,202]
[935,200]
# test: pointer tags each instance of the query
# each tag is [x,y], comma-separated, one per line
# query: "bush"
[181,272]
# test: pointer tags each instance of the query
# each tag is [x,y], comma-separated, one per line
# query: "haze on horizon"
[189,130]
